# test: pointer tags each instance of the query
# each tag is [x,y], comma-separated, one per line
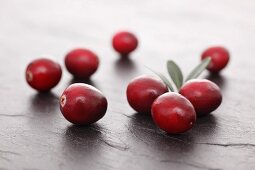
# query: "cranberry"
[82,104]
[124,42]
[81,63]
[43,74]
[173,113]
[142,91]
[203,94]
[219,58]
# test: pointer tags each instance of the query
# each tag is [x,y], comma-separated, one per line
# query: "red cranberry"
[173,113]
[43,74]
[219,58]
[142,91]
[81,63]
[82,104]
[124,42]
[203,94]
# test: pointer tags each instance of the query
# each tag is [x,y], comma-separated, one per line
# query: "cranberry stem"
[198,69]
[164,79]
[176,75]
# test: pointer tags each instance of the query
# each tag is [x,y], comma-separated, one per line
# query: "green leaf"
[164,79]
[199,69]
[175,73]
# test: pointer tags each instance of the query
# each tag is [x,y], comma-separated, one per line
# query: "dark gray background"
[33,133]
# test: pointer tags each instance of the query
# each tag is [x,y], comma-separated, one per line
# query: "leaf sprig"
[176,74]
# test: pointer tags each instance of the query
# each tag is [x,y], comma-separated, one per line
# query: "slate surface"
[33,133]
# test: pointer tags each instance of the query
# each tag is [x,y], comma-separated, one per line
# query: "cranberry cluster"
[173,112]
[80,103]
[174,109]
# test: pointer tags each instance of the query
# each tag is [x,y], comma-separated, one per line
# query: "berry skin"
[173,113]
[203,94]
[219,58]
[124,42]
[142,91]
[81,63]
[43,74]
[82,104]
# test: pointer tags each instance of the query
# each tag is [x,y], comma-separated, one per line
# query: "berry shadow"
[43,104]
[79,80]
[124,56]
[125,66]
[205,127]
[217,79]
[143,127]
[83,141]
